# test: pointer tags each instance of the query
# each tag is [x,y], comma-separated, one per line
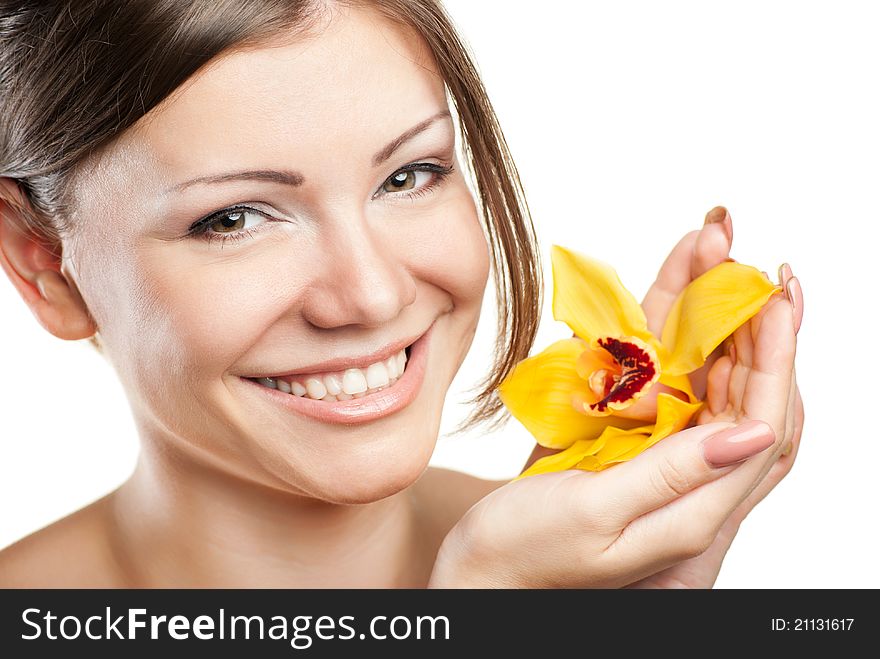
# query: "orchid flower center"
[618,371]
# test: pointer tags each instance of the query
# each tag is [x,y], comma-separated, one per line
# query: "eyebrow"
[292,178]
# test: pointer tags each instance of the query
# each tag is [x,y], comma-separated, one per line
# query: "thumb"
[679,464]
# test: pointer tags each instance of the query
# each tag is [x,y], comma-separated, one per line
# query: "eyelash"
[200,228]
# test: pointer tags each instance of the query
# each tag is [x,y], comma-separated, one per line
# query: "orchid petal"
[673,415]
[709,310]
[616,440]
[680,382]
[589,297]
[563,460]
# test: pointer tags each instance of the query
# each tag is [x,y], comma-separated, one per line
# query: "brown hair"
[75,74]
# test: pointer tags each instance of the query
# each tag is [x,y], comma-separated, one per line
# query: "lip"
[370,407]
[343,363]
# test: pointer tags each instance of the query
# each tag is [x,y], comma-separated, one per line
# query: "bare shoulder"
[455,488]
[444,496]
[73,552]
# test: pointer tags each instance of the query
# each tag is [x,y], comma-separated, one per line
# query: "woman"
[256,211]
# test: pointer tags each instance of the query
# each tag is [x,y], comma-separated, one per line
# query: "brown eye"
[400,181]
[228,223]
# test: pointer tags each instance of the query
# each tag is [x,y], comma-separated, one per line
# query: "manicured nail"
[719,215]
[796,297]
[738,443]
[785,274]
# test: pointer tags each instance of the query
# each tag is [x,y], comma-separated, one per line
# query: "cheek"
[186,325]
[453,255]
[209,315]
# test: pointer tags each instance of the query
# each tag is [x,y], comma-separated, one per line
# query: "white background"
[628,121]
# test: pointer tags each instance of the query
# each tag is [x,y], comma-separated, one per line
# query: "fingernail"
[730,260]
[796,297]
[784,273]
[719,215]
[738,443]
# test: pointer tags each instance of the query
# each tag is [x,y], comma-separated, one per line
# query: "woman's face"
[339,255]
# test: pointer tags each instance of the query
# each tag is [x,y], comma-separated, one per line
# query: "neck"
[182,523]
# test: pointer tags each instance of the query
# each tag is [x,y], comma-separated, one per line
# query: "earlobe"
[35,272]
[60,309]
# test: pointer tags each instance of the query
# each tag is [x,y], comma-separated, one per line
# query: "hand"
[725,378]
[610,528]
[587,529]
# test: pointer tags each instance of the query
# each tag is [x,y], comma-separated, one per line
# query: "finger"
[792,287]
[765,355]
[797,424]
[796,296]
[741,353]
[785,277]
[717,385]
[781,467]
[675,466]
[684,264]
[778,471]
[674,275]
[743,349]
[790,412]
[769,381]
[711,249]
[694,501]
[784,273]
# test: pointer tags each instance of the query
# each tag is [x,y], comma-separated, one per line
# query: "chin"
[370,480]
[362,467]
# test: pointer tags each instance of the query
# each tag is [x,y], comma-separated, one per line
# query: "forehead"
[352,81]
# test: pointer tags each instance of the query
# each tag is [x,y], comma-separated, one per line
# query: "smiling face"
[346,246]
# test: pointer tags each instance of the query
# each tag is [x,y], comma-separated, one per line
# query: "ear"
[35,271]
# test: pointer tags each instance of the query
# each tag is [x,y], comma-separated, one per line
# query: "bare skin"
[92,549]
[231,489]
[241,475]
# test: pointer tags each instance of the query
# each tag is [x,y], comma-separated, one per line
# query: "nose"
[362,279]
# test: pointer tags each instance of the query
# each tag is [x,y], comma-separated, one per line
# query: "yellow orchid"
[571,395]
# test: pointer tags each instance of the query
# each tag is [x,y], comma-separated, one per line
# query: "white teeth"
[333,384]
[354,382]
[315,388]
[377,375]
